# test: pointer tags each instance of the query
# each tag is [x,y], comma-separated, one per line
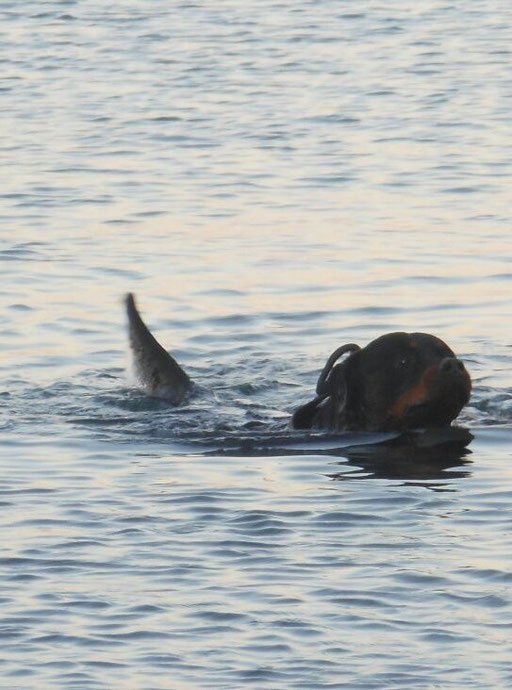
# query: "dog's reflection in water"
[416,457]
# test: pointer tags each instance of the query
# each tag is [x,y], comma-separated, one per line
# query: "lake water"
[271,180]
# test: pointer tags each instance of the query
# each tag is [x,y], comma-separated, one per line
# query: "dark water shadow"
[419,458]
[414,457]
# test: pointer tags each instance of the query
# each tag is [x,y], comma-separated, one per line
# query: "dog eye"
[402,362]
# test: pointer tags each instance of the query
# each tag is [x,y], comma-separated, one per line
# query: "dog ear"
[331,409]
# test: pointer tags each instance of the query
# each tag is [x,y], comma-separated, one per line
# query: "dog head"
[398,381]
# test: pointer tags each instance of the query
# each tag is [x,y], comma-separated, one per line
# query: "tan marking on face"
[416,395]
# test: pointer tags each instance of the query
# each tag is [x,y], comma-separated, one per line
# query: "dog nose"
[451,365]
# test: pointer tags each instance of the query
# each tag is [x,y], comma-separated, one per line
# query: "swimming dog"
[397,382]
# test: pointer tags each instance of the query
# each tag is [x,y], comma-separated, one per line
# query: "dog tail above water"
[158,373]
